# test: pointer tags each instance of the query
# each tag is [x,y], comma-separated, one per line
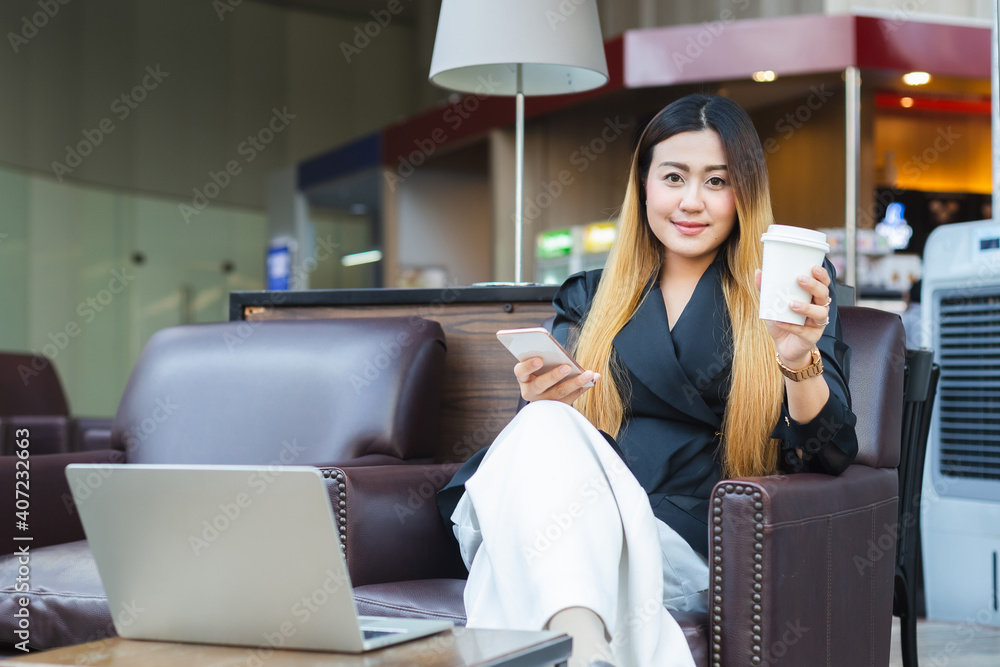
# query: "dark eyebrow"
[684,167]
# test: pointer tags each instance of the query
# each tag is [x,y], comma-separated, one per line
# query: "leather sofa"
[31,397]
[802,565]
[323,393]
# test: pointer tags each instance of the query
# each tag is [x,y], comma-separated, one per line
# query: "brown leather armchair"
[802,565]
[32,397]
[324,393]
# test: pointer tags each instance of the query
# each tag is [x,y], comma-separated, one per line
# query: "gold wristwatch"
[812,370]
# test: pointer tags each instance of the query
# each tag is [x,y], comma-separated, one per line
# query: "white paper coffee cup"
[789,252]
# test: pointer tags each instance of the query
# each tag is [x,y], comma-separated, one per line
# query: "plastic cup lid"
[797,235]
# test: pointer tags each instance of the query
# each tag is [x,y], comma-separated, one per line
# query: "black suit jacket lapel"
[646,347]
[702,336]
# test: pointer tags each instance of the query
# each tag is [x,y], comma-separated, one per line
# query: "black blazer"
[676,383]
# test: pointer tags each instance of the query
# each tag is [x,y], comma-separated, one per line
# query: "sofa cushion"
[442,598]
[420,598]
[66,599]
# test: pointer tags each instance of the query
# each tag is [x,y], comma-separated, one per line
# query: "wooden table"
[461,647]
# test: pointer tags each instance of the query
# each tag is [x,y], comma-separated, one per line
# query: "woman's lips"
[689,228]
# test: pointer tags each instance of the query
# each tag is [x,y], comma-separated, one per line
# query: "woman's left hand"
[795,342]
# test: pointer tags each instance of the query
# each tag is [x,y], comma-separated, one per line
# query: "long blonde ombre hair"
[754,401]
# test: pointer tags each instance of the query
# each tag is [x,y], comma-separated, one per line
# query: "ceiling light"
[916,78]
[361,258]
[764,75]
[906,102]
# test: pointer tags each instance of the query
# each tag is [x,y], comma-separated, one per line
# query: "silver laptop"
[238,555]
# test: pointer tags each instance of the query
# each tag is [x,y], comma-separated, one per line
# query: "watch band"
[812,370]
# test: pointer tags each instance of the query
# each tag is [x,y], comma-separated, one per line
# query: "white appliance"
[960,308]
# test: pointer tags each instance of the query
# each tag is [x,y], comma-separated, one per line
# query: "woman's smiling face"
[690,203]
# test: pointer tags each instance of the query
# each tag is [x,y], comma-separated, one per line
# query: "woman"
[593,520]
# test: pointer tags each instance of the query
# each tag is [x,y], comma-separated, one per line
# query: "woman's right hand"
[549,386]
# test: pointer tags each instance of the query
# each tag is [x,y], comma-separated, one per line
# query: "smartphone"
[538,342]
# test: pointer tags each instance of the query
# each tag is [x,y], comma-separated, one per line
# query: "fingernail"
[803,279]
[794,305]
[756,273]
[563,370]
[536,363]
[597,376]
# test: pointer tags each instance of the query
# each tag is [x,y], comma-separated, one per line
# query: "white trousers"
[552,519]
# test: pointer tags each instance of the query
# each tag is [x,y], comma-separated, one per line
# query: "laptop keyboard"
[372,634]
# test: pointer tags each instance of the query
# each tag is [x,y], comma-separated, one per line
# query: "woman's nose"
[692,200]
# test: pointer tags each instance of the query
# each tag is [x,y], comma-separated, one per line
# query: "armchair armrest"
[389,523]
[91,433]
[50,434]
[52,517]
[802,568]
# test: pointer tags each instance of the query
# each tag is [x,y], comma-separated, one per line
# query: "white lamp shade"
[557,42]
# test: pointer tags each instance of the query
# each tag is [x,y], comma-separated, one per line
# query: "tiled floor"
[944,644]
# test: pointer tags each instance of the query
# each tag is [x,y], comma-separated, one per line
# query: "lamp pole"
[852,156]
[519,175]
